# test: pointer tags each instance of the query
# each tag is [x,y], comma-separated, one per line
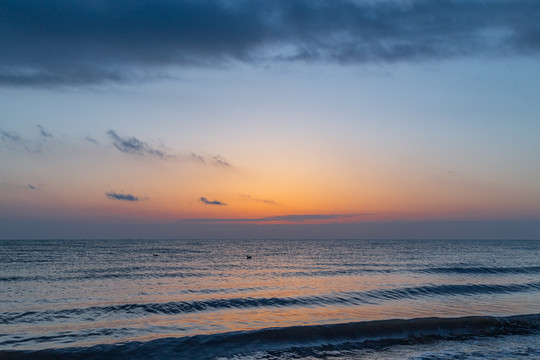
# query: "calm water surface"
[293,299]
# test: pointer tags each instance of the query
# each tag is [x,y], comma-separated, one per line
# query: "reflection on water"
[80,293]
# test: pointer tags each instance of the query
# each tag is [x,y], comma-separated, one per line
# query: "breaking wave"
[374,334]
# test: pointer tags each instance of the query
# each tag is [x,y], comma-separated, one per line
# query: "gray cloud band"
[211,202]
[124,197]
[281,218]
[75,42]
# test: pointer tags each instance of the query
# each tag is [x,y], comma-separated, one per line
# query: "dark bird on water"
[248,256]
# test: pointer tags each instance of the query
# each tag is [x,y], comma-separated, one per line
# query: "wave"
[370,334]
[483,270]
[171,271]
[340,298]
[87,276]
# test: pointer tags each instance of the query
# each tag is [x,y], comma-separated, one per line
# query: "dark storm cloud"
[208,202]
[78,42]
[125,197]
[134,146]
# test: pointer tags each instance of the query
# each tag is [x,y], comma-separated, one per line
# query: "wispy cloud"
[214,202]
[10,136]
[92,140]
[281,218]
[216,160]
[85,42]
[126,144]
[14,140]
[124,197]
[43,133]
[132,145]
[220,161]
[301,218]
[264,201]
[196,158]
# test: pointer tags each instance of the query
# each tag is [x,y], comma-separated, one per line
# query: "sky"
[265,119]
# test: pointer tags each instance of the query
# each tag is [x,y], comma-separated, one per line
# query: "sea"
[269,299]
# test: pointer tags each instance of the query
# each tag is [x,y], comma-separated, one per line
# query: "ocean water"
[293,299]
